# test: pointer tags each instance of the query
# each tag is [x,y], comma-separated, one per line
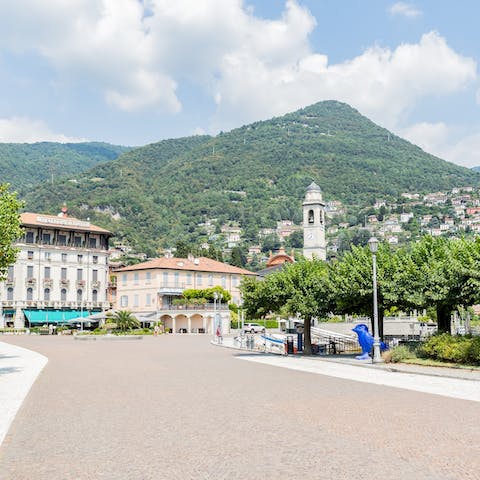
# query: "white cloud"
[383,84]
[139,54]
[462,148]
[143,90]
[405,9]
[136,53]
[26,130]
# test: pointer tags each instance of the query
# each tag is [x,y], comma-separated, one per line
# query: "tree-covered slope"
[24,165]
[255,175]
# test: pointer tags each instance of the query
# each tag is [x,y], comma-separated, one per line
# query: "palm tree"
[125,320]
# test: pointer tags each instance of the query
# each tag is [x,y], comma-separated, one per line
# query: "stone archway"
[181,324]
[167,322]
[209,324]
[197,323]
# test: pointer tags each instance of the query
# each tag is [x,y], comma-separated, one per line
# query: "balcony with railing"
[194,307]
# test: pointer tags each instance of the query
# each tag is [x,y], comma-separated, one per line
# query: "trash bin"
[290,344]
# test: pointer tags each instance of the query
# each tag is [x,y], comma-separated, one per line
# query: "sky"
[132,72]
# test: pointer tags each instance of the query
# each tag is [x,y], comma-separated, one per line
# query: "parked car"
[253,328]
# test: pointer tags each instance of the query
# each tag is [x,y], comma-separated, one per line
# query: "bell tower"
[314,224]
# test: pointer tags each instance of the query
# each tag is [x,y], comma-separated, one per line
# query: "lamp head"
[373,244]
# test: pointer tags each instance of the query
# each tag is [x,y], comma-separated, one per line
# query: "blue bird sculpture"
[365,339]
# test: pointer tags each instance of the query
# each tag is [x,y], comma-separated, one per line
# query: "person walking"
[218,333]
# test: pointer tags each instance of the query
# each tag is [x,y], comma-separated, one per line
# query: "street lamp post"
[214,320]
[215,323]
[81,316]
[377,358]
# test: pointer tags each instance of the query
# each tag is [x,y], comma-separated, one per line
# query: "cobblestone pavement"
[176,407]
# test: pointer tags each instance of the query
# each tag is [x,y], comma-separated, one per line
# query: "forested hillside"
[24,165]
[255,175]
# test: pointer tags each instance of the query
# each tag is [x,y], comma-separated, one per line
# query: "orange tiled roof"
[201,264]
[64,223]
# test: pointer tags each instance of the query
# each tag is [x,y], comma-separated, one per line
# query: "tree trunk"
[381,312]
[307,332]
[443,318]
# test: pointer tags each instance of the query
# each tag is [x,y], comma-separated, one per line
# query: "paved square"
[177,407]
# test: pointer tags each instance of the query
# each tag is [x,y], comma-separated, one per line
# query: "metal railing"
[331,343]
[200,306]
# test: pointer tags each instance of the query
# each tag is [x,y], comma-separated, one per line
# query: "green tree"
[271,243]
[295,240]
[182,249]
[125,320]
[10,229]
[238,257]
[301,288]
[440,273]
[352,282]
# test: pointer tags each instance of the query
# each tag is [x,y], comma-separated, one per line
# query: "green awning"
[53,316]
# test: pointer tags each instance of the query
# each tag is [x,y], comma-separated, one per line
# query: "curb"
[109,338]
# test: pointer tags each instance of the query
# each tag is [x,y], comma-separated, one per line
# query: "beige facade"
[148,290]
[61,272]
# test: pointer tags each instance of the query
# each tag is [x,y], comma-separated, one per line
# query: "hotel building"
[61,272]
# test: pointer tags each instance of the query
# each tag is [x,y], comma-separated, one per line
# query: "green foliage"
[10,229]
[258,174]
[25,165]
[208,294]
[441,273]
[456,349]
[301,288]
[238,257]
[402,353]
[295,240]
[125,320]
[334,319]
[233,307]
[189,301]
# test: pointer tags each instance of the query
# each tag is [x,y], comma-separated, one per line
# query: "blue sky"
[133,72]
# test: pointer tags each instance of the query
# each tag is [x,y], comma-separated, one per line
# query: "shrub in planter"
[401,353]
[473,352]
[448,348]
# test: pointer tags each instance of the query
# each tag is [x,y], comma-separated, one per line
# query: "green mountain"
[255,175]
[24,165]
